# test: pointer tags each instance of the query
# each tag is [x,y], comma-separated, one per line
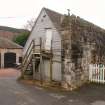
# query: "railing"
[36,47]
[27,56]
[97,73]
[29,48]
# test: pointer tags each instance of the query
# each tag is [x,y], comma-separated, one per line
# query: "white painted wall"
[43,22]
[48,40]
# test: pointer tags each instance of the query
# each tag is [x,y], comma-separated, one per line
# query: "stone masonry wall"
[83,44]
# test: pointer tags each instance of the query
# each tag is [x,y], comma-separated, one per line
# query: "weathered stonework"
[83,44]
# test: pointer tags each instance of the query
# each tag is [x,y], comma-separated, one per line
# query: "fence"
[97,73]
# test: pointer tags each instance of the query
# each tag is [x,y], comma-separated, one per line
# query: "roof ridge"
[52,11]
[54,16]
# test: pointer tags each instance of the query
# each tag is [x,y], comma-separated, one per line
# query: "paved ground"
[14,93]
[10,72]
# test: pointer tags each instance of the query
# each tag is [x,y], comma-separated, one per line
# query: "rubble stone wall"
[83,44]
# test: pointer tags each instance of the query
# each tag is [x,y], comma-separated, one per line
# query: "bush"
[22,38]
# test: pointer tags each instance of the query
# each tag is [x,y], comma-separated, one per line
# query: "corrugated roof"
[5,43]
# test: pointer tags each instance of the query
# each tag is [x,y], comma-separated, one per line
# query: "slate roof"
[87,29]
[55,17]
[5,43]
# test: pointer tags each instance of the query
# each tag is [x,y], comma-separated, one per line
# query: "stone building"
[83,44]
[10,53]
[74,44]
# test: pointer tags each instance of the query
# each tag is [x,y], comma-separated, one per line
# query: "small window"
[44,16]
[20,59]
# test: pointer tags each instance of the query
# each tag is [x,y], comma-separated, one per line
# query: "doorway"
[9,60]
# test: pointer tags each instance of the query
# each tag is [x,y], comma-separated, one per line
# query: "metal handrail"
[27,56]
[27,63]
[28,49]
[29,53]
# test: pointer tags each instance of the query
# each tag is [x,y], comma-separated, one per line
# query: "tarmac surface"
[13,92]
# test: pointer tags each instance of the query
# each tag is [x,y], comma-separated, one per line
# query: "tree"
[22,38]
[29,24]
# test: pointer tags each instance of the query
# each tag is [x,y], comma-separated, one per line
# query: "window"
[20,59]
[48,39]
[44,16]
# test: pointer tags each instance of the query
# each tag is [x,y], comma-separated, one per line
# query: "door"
[9,59]
[48,39]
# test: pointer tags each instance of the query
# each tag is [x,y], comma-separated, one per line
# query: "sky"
[16,13]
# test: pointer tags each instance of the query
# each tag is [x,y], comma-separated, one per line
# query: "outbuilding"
[10,53]
[68,45]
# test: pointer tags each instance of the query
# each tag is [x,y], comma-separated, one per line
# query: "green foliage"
[22,38]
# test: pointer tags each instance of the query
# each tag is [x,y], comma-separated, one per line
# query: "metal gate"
[97,73]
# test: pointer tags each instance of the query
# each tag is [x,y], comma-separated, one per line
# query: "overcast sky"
[15,13]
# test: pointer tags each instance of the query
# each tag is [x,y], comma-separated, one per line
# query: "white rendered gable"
[40,29]
[42,23]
